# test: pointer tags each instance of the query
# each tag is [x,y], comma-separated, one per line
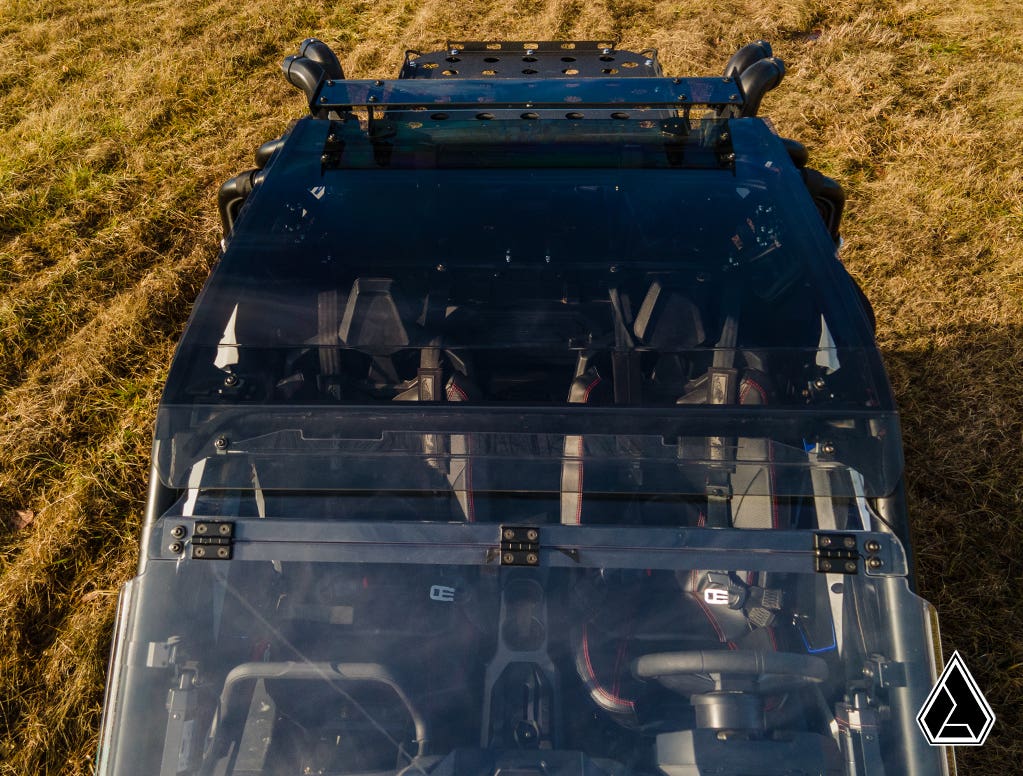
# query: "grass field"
[119,120]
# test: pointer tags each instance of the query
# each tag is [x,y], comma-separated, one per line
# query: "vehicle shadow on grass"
[962,423]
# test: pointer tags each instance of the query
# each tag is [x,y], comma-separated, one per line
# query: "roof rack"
[539,59]
[542,76]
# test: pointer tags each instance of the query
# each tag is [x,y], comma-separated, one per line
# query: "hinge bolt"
[850,566]
[873,545]
[875,563]
[178,531]
[175,547]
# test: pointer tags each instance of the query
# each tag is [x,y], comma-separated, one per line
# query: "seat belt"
[722,388]
[624,358]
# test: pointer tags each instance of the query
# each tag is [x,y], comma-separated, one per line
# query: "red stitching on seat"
[610,697]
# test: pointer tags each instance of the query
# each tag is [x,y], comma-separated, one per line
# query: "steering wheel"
[753,671]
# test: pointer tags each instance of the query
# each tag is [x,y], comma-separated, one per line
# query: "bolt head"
[230,380]
[508,557]
[201,528]
[533,535]
[825,541]
[509,534]
[175,547]
[850,566]
[178,531]
[873,545]
[875,563]
[224,529]
[532,558]
[220,443]
[200,552]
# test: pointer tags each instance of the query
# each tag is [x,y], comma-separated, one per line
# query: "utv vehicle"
[529,425]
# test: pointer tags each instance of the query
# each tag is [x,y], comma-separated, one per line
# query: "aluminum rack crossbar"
[459,93]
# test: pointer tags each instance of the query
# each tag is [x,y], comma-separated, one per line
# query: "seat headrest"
[668,320]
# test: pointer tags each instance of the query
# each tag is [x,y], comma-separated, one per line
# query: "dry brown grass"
[118,120]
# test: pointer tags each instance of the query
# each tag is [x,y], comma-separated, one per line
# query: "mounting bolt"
[224,529]
[220,443]
[819,383]
[873,545]
[532,534]
[372,98]
[324,159]
[826,565]
[378,83]
[223,552]
[532,558]
[199,552]
[509,534]
[175,547]
[849,542]
[508,558]
[825,541]
[441,268]
[230,380]
[733,97]
[323,99]
[828,447]
[875,563]
[178,531]
[850,566]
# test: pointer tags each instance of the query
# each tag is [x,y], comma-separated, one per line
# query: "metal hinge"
[212,540]
[835,553]
[520,546]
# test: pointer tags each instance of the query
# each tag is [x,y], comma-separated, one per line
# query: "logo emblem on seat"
[956,713]
[442,593]
[715,596]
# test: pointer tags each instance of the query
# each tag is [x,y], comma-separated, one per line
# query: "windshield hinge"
[520,546]
[212,540]
[835,553]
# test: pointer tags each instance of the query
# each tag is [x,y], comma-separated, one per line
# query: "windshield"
[403,648]
[493,314]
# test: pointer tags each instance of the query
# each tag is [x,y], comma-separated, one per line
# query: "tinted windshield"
[585,297]
[406,649]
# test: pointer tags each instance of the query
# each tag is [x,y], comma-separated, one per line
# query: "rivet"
[826,565]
